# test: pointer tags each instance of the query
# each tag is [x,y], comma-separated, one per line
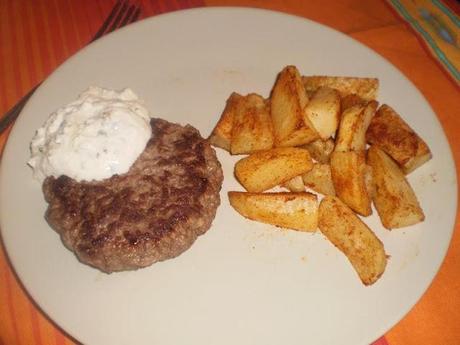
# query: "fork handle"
[14,112]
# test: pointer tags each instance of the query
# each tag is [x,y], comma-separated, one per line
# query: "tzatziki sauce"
[99,135]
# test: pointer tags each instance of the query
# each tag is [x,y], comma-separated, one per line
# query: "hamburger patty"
[152,213]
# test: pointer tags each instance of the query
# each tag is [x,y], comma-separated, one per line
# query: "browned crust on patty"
[152,213]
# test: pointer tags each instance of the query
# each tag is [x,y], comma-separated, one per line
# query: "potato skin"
[394,198]
[297,211]
[353,238]
[350,101]
[266,169]
[221,135]
[393,135]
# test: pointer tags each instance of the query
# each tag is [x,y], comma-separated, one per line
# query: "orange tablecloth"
[36,36]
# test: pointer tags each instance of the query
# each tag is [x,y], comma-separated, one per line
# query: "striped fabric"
[438,28]
[36,36]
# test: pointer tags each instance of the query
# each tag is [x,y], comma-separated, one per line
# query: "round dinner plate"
[242,282]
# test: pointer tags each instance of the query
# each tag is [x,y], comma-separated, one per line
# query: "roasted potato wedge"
[323,111]
[295,184]
[221,135]
[348,171]
[350,101]
[266,169]
[319,179]
[252,125]
[353,238]
[394,198]
[297,211]
[320,150]
[393,135]
[288,101]
[353,126]
[368,180]
[366,88]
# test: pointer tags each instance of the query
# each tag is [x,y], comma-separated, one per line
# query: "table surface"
[37,36]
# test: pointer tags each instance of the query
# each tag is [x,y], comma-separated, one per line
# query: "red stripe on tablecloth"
[34,323]
[11,309]
[6,323]
[22,76]
[16,81]
[196,3]
[60,40]
[81,22]
[29,73]
[192,3]
[58,43]
[68,27]
[155,7]
[182,4]
[59,338]
[381,341]
[147,9]
[34,42]
[76,33]
[176,5]
[105,7]
[95,15]
[89,14]
[50,58]
[3,29]
[28,45]
[164,6]
[160,7]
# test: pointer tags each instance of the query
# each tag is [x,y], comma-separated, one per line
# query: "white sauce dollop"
[95,137]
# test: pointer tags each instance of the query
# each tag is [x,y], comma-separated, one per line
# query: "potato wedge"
[288,101]
[295,184]
[368,181]
[266,169]
[351,100]
[320,150]
[353,238]
[394,198]
[252,125]
[323,111]
[297,211]
[221,135]
[393,135]
[348,171]
[353,126]
[366,88]
[319,179]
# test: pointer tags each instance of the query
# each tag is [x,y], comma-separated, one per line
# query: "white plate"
[243,282]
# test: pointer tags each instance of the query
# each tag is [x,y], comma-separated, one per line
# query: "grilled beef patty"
[152,213]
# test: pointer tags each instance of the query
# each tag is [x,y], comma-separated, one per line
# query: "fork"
[122,13]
